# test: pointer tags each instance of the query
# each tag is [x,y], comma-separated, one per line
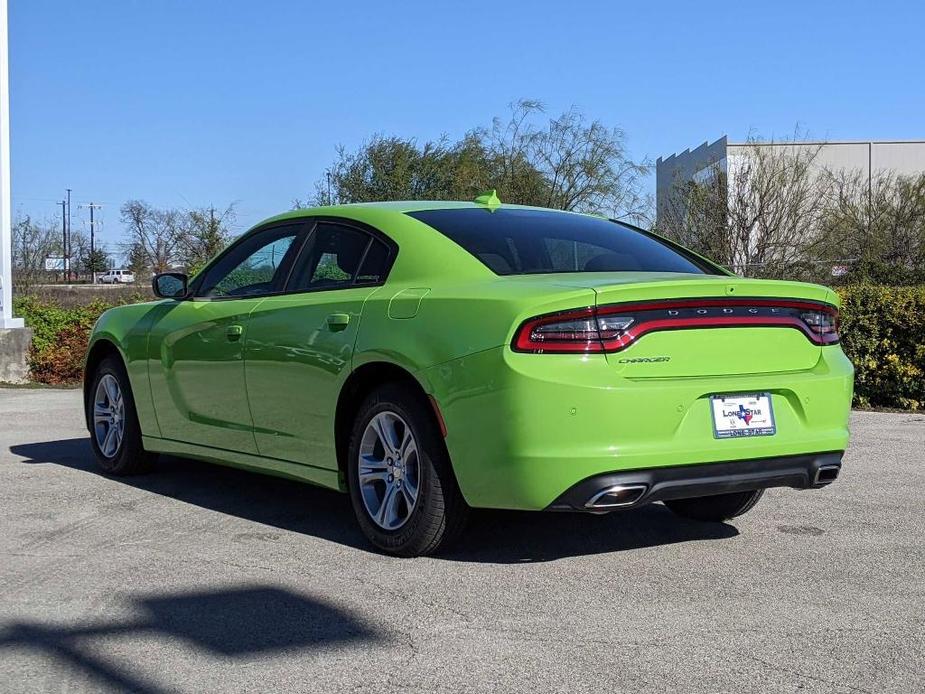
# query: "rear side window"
[338,256]
[374,264]
[526,242]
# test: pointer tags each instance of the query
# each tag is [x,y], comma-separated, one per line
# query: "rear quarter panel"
[453,321]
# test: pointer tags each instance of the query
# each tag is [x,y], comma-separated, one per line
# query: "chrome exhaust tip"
[618,496]
[826,474]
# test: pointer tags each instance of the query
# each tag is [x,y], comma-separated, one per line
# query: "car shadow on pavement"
[497,537]
[509,537]
[273,501]
[228,622]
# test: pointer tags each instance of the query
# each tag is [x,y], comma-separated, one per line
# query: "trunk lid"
[717,350]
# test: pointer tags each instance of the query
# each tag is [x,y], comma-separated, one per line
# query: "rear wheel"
[402,486]
[715,508]
[115,433]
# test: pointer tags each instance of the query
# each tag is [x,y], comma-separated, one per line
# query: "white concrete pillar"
[6,212]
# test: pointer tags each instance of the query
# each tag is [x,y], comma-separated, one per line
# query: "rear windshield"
[527,242]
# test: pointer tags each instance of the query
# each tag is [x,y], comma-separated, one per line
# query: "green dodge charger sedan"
[432,357]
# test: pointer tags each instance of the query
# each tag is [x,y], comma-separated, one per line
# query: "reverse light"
[614,327]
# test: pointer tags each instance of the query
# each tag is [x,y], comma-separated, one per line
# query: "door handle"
[338,321]
[234,332]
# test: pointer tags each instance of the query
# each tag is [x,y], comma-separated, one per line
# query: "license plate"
[742,415]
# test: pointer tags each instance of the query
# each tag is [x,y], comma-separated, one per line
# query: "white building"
[870,158]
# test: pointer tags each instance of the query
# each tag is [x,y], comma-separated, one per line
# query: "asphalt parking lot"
[199,578]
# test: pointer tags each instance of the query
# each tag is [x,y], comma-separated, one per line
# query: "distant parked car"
[117,277]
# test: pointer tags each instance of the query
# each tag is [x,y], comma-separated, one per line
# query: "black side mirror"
[170,285]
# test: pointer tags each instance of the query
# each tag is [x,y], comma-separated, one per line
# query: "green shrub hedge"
[60,336]
[882,331]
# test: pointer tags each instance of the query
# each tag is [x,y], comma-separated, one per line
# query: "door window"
[339,256]
[256,266]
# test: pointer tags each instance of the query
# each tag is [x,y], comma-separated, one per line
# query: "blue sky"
[198,102]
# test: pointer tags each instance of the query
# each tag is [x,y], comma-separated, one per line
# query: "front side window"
[525,242]
[338,256]
[256,266]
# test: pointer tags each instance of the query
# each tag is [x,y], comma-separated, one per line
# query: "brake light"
[822,323]
[615,327]
[583,330]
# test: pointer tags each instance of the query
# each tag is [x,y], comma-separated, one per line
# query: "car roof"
[394,206]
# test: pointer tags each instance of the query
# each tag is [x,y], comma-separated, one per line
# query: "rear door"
[197,345]
[300,344]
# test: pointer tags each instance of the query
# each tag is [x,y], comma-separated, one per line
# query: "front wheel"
[717,508]
[402,486]
[115,433]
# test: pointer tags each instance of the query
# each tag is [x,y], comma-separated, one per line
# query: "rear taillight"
[823,323]
[583,330]
[615,327]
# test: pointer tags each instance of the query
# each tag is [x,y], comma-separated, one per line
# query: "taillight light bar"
[614,327]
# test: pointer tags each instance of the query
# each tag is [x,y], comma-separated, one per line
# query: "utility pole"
[68,248]
[92,207]
[64,239]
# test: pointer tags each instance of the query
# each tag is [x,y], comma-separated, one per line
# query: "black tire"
[130,458]
[439,513]
[717,508]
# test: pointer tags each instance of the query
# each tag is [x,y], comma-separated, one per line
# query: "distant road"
[87,285]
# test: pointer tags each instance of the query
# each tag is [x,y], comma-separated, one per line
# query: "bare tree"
[158,235]
[32,244]
[775,208]
[161,239]
[761,215]
[205,233]
[568,163]
[588,168]
[79,242]
[509,147]
[878,225]
[696,216]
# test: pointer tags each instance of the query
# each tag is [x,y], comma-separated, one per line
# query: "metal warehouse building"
[870,158]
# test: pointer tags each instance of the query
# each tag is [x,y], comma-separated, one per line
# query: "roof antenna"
[489,199]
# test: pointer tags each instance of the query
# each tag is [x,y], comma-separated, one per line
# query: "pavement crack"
[797,673]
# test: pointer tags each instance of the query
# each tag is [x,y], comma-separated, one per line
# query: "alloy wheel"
[389,470]
[108,416]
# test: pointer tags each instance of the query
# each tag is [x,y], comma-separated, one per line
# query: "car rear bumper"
[523,429]
[614,491]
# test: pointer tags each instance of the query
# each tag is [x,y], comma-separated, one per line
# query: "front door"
[300,345]
[197,344]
